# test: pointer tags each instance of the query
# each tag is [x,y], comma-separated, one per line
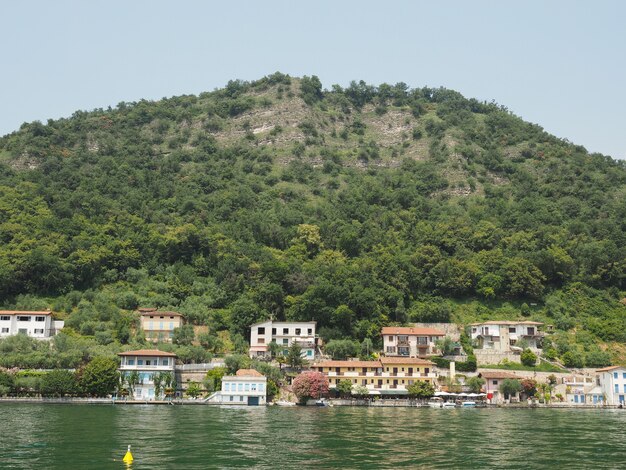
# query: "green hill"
[356,207]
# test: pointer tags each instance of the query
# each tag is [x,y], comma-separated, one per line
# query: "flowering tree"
[310,385]
[529,387]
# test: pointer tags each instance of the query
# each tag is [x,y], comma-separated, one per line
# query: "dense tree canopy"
[356,207]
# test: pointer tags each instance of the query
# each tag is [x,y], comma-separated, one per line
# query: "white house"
[147,363]
[247,387]
[506,336]
[410,341]
[36,324]
[493,381]
[613,384]
[582,390]
[284,334]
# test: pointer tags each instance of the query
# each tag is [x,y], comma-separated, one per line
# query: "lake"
[36,436]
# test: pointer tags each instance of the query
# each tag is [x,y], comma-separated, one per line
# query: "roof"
[409,330]
[147,352]
[248,373]
[607,369]
[498,374]
[154,311]
[507,322]
[348,364]
[25,312]
[273,322]
[406,360]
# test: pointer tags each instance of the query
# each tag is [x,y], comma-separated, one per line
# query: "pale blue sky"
[561,64]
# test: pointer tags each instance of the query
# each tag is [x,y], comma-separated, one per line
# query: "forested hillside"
[356,207]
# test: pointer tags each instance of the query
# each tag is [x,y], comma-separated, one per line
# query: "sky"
[558,63]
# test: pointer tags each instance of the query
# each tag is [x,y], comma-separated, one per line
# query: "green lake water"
[34,436]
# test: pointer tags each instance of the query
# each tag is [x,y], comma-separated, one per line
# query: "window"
[240,387]
[151,316]
[23,318]
[309,331]
[261,340]
[615,375]
[140,362]
[39,331]
[624,375]
[22,331]
[473,330]
[494,382]
[5,330]
[298,331]
[391,339]
[285,331]
[161,318]
[226,387]
[616,388]
[232,398]
[171,325]
[148,362]
[261,387]
[273,331]
[309,353]
[285,341]
[391,349]
[40,318]
[165,362]
[253,387]
[5,318]
[261,330]
[512,330]
[285,352]
[130,362]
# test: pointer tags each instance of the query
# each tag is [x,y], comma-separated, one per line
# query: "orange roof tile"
[406,360]
[348,364]
[248,373]
[409,330]
[498,374]
[607,369]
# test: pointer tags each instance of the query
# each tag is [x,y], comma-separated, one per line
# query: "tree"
[309,385]
[213,379]
[421,389]
[529,358]
[235,362]
[510,387]
[7,382]
[184,335]
[445,345]
[367,347]
[100,377]
[193,390]
[132,379]
[311,89]
[529,386]
[475,384]
[341,349]
[573,359]
[294,356]
[344,387]
[59,383]
[274,349]
[360,391]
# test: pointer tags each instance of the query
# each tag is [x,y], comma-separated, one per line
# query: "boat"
[468,404]
[284,403]
[449,404]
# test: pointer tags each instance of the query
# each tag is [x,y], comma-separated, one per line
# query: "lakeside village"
[426,364]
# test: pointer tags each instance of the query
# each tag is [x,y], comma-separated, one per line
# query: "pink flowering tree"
[310,385]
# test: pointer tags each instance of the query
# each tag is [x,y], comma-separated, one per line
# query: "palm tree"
[157,379]
[132,379]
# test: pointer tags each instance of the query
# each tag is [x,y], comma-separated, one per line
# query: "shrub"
[421,389]
[529,358]
[310,385]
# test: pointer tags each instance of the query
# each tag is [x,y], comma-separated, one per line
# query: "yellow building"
[389,375]
[159,326]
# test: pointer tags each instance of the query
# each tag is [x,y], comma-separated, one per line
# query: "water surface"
[34,436]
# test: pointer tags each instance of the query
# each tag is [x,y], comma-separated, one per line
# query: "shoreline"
[332,403]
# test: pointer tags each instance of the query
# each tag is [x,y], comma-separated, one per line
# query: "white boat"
[285,403]
[468,404]
[435,402]
[449,404]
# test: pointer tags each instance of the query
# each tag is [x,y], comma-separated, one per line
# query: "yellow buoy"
[128,458]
